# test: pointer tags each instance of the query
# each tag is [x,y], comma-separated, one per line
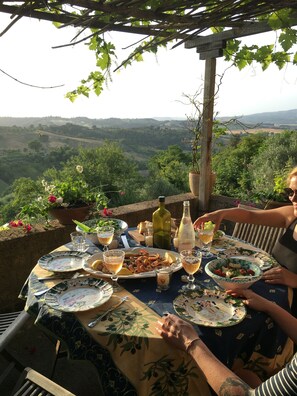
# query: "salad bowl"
[90,226]
[233,273]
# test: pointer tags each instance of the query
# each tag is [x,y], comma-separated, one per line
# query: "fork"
[94,322]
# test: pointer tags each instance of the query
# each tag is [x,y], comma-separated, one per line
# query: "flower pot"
[66,215]
[194,179]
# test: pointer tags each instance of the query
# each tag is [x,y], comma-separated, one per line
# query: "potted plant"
[65,198]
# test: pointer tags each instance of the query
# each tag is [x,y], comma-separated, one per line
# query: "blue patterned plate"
[210,308]
[80,294]
[63,261]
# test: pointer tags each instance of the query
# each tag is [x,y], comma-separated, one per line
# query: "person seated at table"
[285,250]
[222,380]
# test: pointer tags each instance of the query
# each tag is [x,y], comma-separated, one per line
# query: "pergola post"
[206,134]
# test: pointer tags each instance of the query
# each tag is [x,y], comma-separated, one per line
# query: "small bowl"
[238,282]
[92,236]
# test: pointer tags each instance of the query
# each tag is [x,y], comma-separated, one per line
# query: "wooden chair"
[10,323]
[33,383]
[263,237]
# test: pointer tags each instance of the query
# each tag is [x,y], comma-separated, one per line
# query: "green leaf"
[295,59]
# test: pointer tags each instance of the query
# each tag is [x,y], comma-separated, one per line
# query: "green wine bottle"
[162,226]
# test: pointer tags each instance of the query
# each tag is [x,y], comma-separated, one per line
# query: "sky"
[153,88]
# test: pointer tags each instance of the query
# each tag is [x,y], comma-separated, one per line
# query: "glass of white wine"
[105,236]
[206,237]
[113,261]
[191,261]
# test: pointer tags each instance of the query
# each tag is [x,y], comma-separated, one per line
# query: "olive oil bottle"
[162,226]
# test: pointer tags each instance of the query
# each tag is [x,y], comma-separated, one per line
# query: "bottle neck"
[186,211]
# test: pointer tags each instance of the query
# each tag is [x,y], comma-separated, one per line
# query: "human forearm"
[222,380]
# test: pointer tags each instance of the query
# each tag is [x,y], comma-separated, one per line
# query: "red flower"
[107,212]
[13,223]
[20,223]
[52,199]
[28,227]
[122,193]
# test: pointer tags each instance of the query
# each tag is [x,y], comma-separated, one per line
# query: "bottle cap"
[161,198]
[186,203]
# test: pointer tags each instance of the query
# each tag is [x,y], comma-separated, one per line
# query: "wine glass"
[191,260]
[206,237]
[105,236]
[113,261]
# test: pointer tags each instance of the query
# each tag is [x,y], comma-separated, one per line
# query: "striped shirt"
[284,383]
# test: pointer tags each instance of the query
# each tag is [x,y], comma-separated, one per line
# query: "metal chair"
[33,383]
[261,236]
[10,323]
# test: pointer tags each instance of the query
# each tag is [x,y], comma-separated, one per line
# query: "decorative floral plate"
[175,266]
[210,308]
[80,294]
[64,261]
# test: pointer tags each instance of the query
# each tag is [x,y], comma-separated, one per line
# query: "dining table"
[129,354]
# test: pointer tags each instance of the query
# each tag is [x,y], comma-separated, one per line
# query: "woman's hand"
[253,300]
[281,276]
[215,217]
[176,331]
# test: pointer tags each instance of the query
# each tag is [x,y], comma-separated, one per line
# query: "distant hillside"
[277,118]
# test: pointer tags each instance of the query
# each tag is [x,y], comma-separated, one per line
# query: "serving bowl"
[119,225]
[239,273]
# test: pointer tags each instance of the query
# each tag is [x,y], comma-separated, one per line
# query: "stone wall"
[19,252]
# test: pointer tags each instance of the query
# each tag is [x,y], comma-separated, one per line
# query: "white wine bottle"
[186,233]
[162,226]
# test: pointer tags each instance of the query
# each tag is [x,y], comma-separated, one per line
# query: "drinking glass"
[191,260]
[105,236]
[113,261]
[78,240]
[206,237]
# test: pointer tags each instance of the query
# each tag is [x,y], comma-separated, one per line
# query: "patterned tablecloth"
[130,356]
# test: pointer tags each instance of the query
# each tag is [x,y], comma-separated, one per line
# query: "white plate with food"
[63,261]
[138,263]
[210,308]
[80,294]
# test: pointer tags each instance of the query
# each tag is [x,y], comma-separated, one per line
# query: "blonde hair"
[292,174]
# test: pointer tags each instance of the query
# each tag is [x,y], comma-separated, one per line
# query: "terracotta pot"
[66,215]
[194,179]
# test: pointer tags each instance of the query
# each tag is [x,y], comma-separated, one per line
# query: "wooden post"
[206,134]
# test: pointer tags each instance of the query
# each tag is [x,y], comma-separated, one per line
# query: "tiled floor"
[35,350]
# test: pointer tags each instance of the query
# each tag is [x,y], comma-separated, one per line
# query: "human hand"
[215,217]
[252,299]
[281,276]
[176,331]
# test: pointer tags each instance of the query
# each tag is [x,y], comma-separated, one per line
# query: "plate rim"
[45,258]
[49,298]
[149,274]
[227,323]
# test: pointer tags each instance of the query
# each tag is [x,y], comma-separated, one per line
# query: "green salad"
[92,225]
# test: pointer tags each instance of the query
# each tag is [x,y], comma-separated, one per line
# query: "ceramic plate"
[176,266]
[210,308]
[65,261]
[263,259]
[80,294]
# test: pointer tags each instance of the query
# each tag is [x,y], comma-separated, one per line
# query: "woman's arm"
[286,321]
[279,217]
[182,335]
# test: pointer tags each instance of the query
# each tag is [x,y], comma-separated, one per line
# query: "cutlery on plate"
[94,322]
[125,241]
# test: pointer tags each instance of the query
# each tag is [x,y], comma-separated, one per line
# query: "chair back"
[261,236]
[33,383]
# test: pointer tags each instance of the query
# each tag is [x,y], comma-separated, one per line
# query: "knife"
[125,241]
[94,322]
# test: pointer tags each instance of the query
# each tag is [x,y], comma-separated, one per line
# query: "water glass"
[78,240]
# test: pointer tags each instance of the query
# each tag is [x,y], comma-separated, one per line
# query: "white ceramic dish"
[80,294]
[176,266]
[210,308]
[239,282]
[63,261]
